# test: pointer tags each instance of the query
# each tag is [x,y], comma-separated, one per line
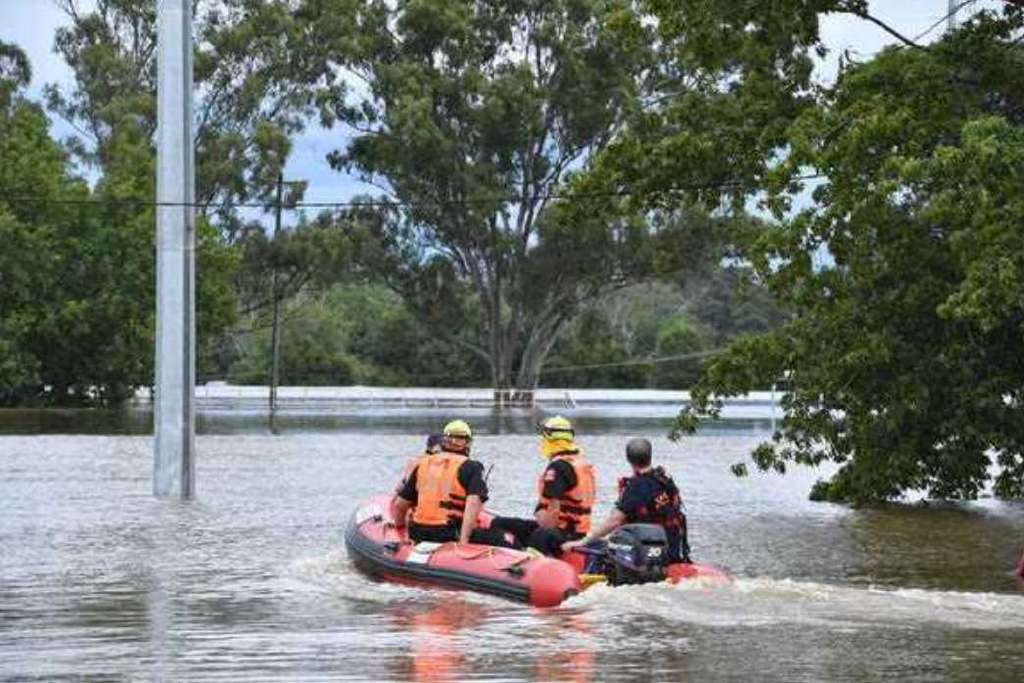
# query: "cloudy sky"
[31,24]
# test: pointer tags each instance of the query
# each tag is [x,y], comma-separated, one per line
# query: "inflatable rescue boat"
[381,550]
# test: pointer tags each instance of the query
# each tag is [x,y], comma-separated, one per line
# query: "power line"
[376,202]
[635,361]
[952,12]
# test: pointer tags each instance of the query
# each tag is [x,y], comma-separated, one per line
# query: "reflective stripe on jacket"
[576,504]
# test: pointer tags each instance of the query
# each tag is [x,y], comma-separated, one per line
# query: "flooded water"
[250,581]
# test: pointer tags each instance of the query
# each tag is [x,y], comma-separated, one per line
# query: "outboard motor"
[636,553]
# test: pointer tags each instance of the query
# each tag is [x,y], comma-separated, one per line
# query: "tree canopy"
[472,115]
[249,97]
[902,358]
[77,270]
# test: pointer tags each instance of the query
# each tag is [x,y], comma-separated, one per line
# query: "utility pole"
[174,418]
[953,8]
[275,333]
[275,326]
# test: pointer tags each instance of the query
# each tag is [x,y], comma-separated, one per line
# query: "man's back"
[652,498]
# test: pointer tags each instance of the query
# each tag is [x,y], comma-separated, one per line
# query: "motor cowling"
[635,554]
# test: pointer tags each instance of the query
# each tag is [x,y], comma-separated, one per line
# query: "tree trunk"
[542,339]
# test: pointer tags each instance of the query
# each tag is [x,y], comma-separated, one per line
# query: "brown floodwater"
[250,581]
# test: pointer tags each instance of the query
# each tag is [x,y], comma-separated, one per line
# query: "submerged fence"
[218,396]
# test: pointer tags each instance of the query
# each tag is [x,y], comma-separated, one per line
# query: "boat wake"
[763,601]
[335,575]
[748,602]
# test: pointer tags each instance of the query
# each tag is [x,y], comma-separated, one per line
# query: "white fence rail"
[218,396]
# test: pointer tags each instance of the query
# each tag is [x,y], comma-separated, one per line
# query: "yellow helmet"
[557,428]
[457,437]
[458,428]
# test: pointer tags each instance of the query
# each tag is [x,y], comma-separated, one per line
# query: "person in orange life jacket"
[434,442]
[445,492]
[566,491]
[649,496]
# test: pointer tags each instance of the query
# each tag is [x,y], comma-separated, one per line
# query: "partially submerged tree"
[903,359]
[472,114]
[249,100]
[898,357]
[77,267]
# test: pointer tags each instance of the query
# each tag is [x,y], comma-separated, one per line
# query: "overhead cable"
[635,361]
[376,202]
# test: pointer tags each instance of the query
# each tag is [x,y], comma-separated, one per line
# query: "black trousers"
[530,534]
[450,532]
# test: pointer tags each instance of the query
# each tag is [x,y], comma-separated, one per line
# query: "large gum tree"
[471,115]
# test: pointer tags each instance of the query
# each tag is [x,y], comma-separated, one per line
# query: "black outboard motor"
[636,553]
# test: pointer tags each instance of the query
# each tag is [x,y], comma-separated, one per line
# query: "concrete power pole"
[951,7]
[174,419]
[275,331]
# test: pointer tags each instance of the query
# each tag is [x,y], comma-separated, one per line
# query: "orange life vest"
[440,498]
[576,504]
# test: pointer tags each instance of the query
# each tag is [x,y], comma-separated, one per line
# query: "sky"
[31,25]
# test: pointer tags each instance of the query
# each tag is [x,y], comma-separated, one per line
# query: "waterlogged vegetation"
[568,191]
[903,358]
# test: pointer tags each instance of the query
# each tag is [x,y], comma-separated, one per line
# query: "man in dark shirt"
[445,491]
[649,496]
[565,491]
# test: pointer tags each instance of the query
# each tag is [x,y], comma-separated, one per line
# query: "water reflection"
[948,547]
[435,653]
[455,640]
[577,662]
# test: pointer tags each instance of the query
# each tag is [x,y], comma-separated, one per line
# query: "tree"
[306,258]
[729,79]
[15,72]
[313,350]
[593,353]
[903,356]
[76,270]
[249,100]
[31,164]
[727,300]
[310,255]
[356,332]
[472,114]
[660,334]
[249,93]
[678,338]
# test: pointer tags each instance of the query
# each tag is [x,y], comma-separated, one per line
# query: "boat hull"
[381,550]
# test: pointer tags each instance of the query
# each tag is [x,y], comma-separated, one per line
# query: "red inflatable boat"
[381,550]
